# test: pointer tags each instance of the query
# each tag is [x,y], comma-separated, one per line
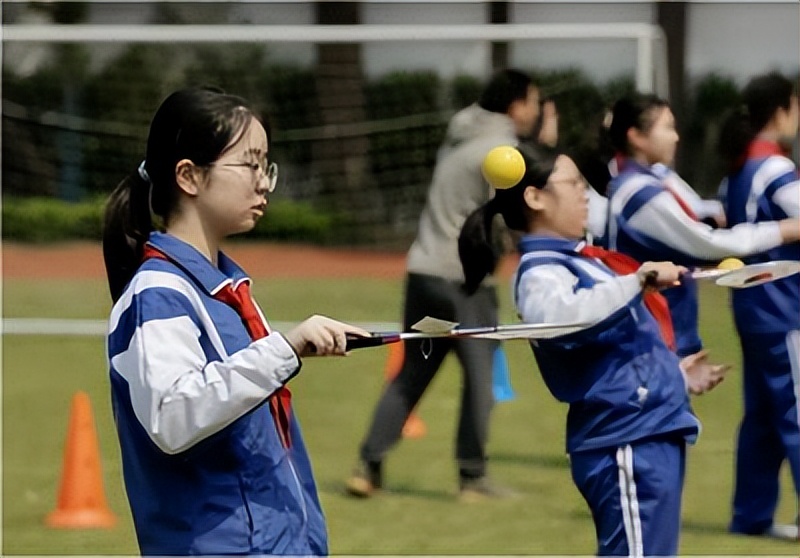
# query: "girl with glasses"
[213,456]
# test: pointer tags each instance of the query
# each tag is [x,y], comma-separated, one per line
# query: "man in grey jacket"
[507,111]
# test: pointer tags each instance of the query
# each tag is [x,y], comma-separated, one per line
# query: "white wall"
[448,58]
[733,38]
[743,39]
[279,13]
[600,60]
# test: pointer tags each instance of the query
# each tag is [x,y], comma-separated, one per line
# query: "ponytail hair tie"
[143,173]
[145,176]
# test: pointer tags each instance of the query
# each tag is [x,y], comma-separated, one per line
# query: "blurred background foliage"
[71,132]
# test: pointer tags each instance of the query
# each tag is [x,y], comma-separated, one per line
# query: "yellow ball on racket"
[503,167]
[730,263]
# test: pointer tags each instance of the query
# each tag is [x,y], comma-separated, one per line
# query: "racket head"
[758,274]
[524,331]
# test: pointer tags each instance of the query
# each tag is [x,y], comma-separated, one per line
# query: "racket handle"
[375,340]
[651,279]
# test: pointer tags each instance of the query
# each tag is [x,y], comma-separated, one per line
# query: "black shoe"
[483,488]
[365,480]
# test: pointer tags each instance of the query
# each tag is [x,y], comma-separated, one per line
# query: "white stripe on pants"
[629,503]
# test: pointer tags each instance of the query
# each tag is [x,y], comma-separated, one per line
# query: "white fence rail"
[651,67]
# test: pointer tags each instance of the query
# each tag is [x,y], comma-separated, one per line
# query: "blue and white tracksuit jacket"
[599,370]
[648,223]
[204,466]
[767,318]
[629,414]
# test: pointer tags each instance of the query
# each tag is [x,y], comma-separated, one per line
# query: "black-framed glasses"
[259,170]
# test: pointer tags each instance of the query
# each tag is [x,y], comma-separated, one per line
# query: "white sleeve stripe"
[663,220]
[596,272]
[787,197]
[179,397]
[161,279]
[627,190]
[547,294]
[769,171]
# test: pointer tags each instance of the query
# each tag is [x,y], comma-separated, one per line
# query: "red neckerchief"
[655,302]
[280,402]
[760,148]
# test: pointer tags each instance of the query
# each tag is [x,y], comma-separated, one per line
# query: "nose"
[262,184]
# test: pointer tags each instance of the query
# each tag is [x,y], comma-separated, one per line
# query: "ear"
[186,176]
[534,198]
[635,138]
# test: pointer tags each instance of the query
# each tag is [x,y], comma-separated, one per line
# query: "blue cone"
[501,380]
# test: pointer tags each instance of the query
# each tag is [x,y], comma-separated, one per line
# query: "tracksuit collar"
[532,242]
[629,164]
[188,258]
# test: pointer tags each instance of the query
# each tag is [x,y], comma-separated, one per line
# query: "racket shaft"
[374,340]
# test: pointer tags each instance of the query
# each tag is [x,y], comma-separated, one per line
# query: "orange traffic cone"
[414,427]
[81,497]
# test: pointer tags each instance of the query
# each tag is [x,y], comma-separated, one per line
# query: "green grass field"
[418,514]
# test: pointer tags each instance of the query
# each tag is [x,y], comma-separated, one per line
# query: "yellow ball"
[730,263]
[503,167]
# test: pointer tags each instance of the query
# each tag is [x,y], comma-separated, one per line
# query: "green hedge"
[47,219]
[52,220]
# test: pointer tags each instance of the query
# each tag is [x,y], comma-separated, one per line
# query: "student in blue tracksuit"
[213,457]
[651,219]
[629,417]
[763,186]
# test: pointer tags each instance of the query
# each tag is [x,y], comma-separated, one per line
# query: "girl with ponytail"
[650,218]
[763,186]
[629,418]
[213,456]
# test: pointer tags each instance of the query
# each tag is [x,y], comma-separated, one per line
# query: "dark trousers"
[432,296]
[770,430]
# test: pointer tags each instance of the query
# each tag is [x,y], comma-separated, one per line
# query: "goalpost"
[650,72]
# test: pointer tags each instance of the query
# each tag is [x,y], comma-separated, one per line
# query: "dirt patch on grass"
[84,260]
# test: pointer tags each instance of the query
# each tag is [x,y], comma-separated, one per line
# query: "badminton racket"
[749,275]
[743,277]
[430,328]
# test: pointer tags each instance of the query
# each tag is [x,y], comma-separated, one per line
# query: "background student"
[763,186]
[648,220]
[508,110]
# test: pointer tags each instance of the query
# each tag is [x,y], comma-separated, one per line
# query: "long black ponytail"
[761,98]
[476,248]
